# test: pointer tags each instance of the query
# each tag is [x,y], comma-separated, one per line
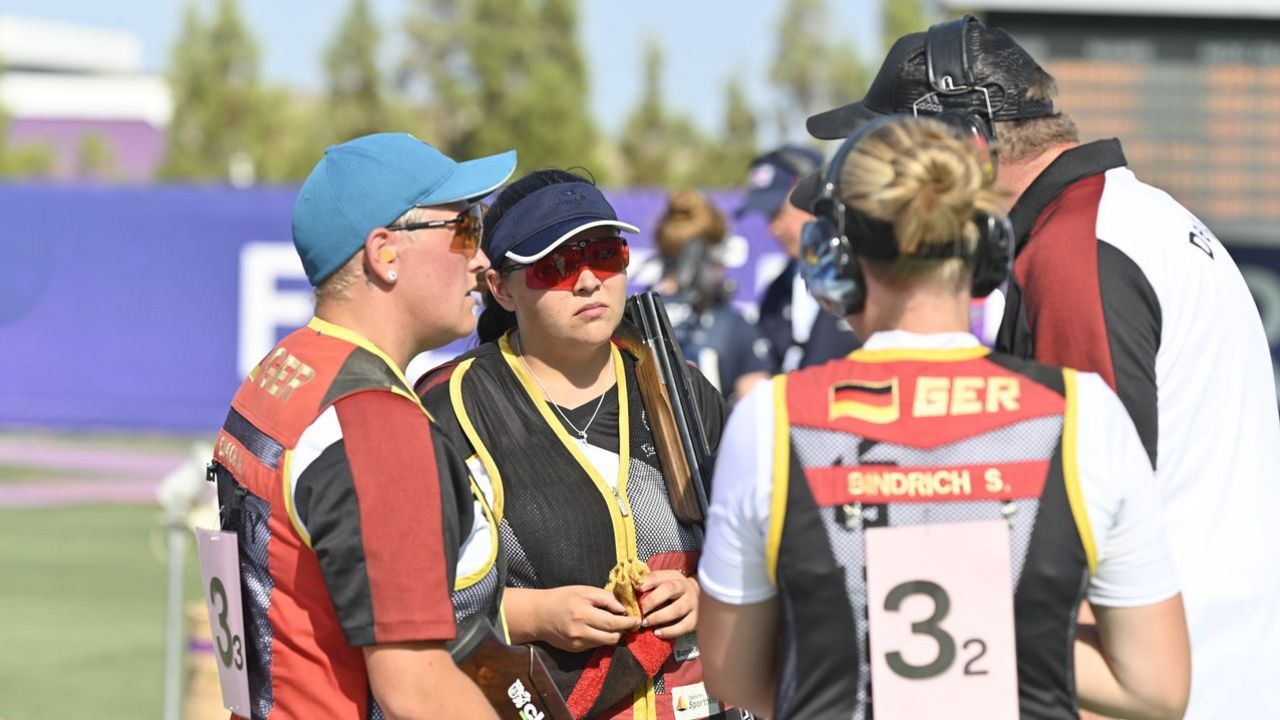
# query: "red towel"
[649,650]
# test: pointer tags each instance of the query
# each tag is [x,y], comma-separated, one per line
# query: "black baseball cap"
[773,174]
[996,62]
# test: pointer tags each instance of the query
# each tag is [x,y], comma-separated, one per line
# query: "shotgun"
[512,677]
[670,403]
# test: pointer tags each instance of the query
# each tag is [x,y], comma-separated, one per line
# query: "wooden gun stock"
[666,436]
[512,677]
[669,403]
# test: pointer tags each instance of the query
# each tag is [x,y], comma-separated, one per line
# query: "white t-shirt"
[1134,563]
[804,310]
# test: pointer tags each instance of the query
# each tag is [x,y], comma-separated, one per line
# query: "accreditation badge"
[220,573]
[940,605]
[691,702]
[686,647]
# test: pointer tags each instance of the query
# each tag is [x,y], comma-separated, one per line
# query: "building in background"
[81,91]
[1192,89]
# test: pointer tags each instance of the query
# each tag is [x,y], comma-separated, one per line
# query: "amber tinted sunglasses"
[468,225]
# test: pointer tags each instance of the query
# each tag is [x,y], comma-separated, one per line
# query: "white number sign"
[220,569]
[940,602]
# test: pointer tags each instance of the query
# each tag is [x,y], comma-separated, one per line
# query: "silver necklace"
[582,434]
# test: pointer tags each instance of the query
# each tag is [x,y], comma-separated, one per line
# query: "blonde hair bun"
[919,175]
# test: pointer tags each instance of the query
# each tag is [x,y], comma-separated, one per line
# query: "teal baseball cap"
[368,182]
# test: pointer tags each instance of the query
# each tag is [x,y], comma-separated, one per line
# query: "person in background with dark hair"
[713,335]
[799,334]
[599,568]
[917,522]
[1115,277]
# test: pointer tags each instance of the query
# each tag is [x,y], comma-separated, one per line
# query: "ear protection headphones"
[831,242]
[949,69]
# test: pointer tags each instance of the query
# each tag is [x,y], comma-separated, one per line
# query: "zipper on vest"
[623,525]
[622,507]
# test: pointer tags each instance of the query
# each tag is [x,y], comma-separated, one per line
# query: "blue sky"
[705,41]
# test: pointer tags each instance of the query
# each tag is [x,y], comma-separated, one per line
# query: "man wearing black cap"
[1115,277]
[799,334]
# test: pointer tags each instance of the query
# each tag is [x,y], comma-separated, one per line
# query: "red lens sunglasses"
[559,269]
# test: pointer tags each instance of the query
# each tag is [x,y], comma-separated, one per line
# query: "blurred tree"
[847,76]
[500,39]
[724,162]
[556,128]
[900,17]
[298,130]
[356,102]
[810,71]
[95,158]
[29,160]
[502,74]
[797,70]
[739,137]
[220,112]
[657,148]
[437,71]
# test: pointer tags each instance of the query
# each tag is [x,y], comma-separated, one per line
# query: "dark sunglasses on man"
[468,225]
[560,268]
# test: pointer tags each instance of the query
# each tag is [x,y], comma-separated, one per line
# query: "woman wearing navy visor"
[599,569]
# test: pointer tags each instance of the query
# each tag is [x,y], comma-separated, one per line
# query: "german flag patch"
[869,401]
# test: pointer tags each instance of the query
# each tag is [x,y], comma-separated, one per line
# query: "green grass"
[82,612]
[32,473]
[107,440]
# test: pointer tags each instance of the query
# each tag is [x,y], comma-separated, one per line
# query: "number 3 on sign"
[940,602]
[230,646]
[220,567]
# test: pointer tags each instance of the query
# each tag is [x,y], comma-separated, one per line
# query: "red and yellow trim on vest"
[466,581]
[469,429]
[781,475]
[327,328]
[1071,469]
[919,354]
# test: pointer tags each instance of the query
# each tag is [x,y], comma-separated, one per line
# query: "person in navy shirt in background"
[799,335]
[730,352]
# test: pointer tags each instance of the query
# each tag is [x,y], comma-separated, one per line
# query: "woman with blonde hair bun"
[912,528]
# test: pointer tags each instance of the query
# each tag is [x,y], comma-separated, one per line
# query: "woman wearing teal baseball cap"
[599,568]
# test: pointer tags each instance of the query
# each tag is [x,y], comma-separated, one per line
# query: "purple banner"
[143,308]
